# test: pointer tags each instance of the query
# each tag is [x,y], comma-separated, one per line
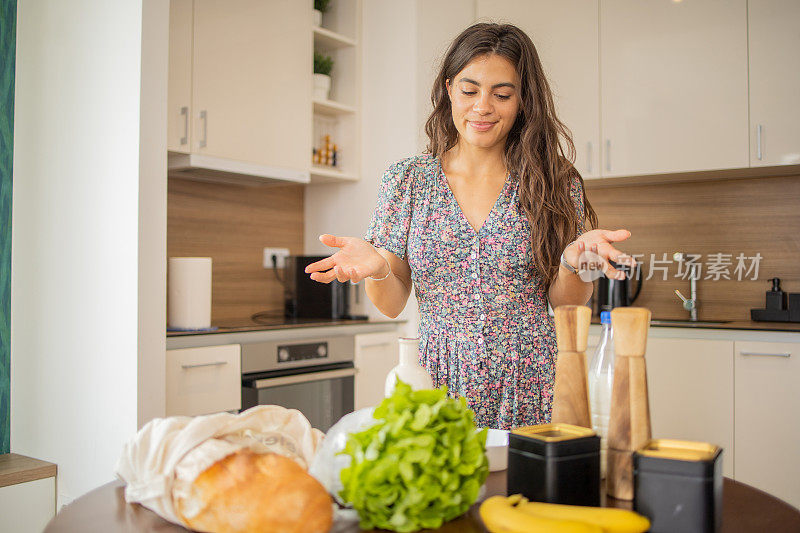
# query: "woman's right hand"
[356,259]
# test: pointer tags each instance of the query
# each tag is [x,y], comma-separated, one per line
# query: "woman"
[478,224]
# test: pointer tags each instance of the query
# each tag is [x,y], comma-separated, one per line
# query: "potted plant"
[320,7]
[322,76]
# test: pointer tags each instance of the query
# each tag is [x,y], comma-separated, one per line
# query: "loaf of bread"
[255,492]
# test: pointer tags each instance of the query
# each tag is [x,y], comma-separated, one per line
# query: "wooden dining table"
[745,509]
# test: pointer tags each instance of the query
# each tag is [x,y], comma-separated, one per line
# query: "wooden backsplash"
[749,216]
[232,224]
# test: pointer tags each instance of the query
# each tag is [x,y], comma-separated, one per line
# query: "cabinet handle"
[758,142]
[589,157]
[608,155]
[185,115]
[204,118]
[199,365]
[784,354]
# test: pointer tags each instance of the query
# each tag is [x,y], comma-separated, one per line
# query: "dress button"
[480,340]
[474,255]
[474,275]
[482,317]
[477,296]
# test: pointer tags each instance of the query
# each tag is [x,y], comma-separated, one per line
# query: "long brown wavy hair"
[535,147]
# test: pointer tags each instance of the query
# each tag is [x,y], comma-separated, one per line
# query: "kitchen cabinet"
[690,389]
[179,91]
[774,42]
[673,85]
[28,507]
[690,384]
[767,407]
[251,81]
[239,95]
[570,61]
[203,380]
[376,354]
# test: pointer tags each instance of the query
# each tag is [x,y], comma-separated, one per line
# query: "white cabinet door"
[768,417]
[28,507]
[673,86]
[565,34]
[774,45]
[179,99]
[690,383]
[252,81]
[204,380]
[376,355]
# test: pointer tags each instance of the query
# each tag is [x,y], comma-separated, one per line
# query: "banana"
[502,515]
[611,520]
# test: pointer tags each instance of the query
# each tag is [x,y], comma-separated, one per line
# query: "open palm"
[355,260]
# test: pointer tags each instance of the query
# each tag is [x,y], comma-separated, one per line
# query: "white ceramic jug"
[409,370]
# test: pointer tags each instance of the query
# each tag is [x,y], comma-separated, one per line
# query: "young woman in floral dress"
[487,226]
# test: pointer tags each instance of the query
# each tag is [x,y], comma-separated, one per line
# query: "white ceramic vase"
[409,370]
[317,18]
[322,86]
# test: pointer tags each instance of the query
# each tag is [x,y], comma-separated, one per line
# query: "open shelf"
[329,174]
[329,107]
[329,40]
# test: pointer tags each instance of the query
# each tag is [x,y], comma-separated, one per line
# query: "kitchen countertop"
[277,323]
[747,325]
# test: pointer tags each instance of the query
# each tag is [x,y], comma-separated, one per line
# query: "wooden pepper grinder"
[629,424]
[571,391]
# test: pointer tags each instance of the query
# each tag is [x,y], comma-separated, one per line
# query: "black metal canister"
[555,463]
[678,485]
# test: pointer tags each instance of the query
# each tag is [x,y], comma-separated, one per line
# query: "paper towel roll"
[189,292]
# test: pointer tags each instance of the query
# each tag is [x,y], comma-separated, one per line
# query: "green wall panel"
[8,39]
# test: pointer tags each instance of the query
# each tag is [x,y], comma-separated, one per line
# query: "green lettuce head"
[420,465]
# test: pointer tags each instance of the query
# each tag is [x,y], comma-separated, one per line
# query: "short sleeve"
[576,193]
[391,219]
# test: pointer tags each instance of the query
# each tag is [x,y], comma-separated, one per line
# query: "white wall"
[153,212]
[402,43]
[76,235]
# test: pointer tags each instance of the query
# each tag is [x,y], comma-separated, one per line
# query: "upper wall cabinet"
[774,82]
[250,93]
[673,86]
[179,100]
[569,57]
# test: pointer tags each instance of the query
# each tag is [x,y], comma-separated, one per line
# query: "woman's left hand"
[598,243]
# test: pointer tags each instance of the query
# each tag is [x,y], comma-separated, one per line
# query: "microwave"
[306,298]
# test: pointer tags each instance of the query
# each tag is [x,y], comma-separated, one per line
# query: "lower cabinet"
[376,354]
[741,395]
[690,383]
[768,417]
[204,380]
[27,507]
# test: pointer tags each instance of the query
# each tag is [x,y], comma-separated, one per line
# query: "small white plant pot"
[322,86]
[317,18]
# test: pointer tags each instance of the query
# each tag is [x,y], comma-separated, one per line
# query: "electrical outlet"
[279,253]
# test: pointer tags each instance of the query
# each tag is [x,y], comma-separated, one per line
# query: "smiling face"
[484,98]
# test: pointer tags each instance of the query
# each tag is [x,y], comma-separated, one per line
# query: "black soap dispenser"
[776,310]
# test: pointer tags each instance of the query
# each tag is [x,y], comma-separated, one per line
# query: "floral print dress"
[485,331]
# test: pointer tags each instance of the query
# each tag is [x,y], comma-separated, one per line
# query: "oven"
[314,376]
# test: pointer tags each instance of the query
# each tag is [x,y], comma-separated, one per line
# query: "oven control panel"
[301,352]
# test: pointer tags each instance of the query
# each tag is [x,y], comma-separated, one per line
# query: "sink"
[689,323]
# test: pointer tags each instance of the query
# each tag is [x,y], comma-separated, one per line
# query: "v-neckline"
[463,216]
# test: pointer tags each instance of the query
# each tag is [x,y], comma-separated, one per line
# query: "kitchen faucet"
[689,304]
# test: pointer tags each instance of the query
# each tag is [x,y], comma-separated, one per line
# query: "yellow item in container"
[516,514]
[502,515]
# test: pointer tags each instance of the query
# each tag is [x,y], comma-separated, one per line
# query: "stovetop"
[268,323]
